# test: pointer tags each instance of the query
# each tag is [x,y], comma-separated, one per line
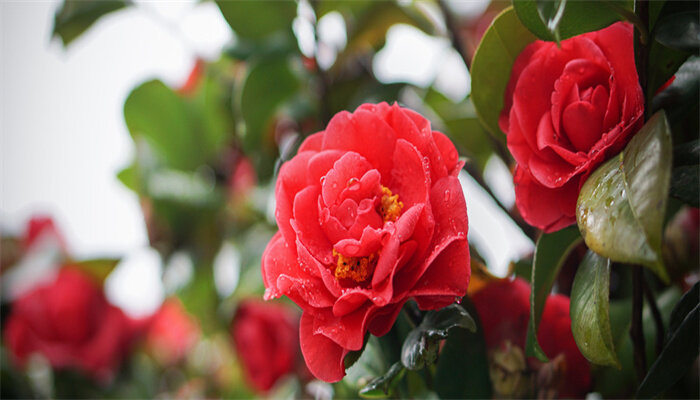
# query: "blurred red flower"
[266,337]
[371,214]
[567,110]
[171,332]
[504,310]
[71,324]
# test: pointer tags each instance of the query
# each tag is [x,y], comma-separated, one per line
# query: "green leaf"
[270,81]
[463,368]
[550,253]
[258,19]
[590,311]
[681,97]
[76,16]
[684,184]
[382,386]
[680,351]
[685,306]
[461,124]
[492,64]
[421,345]
[576,17]
[663,64]
[98,268]
[156,113]
[679,26]
[620,209]
[551,13]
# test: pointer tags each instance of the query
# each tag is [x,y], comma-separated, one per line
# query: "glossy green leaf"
[576,17]
[76,16]
[421,345]
[620,209]
[681,97]
[381,387]
[98,268]
[590,311]
[551,13]
[550,253]
[258,19]
[681,349]
[463,368]
[492,64]
[687,303]
[679,26]
[684,184]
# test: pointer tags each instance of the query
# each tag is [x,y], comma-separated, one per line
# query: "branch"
[660,333]
[456,40]
[528,230]
[636,330]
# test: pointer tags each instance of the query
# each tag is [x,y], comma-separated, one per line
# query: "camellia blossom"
[171,332]
[266,337]
[567,110]
[504,311]
[71,324]
[371,214]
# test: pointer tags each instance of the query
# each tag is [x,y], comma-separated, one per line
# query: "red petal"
[323,356]
[544,208]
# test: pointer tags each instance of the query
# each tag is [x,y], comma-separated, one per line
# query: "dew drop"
[322,180]
[447,195]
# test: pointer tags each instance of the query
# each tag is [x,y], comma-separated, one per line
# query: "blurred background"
[64,138]
[99,170]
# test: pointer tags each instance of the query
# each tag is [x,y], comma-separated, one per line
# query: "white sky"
[63,137]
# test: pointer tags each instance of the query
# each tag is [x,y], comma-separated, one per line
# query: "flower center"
[357,269]
[390,206]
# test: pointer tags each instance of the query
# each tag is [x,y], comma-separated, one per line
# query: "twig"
[528,230]
[660,333]
[636,330]
[456,41]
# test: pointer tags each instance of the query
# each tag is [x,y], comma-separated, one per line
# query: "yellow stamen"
[390,207]
[359,269]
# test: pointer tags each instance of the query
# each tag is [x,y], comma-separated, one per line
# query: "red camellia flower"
[266,337]
[171,332]
[371,214]
[504,311]
[71,324]
[566,111]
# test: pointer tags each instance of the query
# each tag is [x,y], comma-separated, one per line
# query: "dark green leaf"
[590,311]
[463,367]
[492,64]
[685,306]
[681,97]
[270,81]
[421,345]
[550,253]
[577,16]
[98,268]
[381,387]
[677,356]
[76,16]
[621,206]
[258,19]
[679,26]
[154,112]
[551,13]
[684,184]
